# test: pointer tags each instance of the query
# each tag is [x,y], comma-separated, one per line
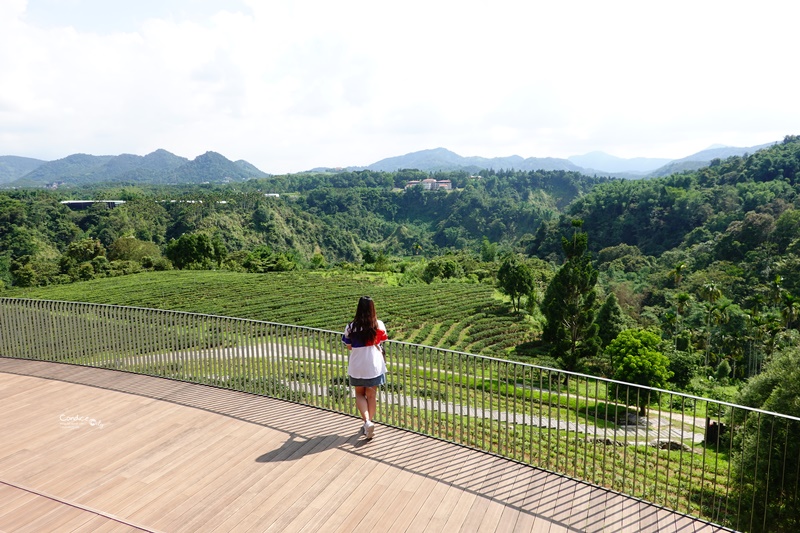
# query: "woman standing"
[366,366]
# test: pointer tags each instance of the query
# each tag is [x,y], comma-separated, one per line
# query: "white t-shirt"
[366,361]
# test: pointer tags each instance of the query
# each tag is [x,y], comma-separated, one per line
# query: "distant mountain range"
[159,167]
[593,163]
[162,167]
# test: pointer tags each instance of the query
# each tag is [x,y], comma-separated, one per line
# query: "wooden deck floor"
[85,449]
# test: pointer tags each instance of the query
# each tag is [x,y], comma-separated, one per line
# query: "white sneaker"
[369,429]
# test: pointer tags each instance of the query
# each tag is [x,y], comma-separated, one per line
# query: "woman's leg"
[362,403]
[371,394]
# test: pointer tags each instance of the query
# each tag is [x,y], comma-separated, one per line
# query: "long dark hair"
[364,326]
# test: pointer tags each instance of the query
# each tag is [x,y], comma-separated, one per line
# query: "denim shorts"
[367,382]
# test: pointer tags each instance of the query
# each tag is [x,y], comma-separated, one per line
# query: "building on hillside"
[431,184]
[78,205]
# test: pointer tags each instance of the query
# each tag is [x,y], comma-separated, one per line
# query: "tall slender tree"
[569,305]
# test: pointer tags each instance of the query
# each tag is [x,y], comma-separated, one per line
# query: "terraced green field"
[457,316]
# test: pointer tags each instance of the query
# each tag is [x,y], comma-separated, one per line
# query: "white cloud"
[293,85]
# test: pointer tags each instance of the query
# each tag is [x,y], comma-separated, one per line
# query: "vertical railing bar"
[680,464]
[224,349]
[691,467]
[507,412]
[306,365]
[61,324]
[483,403]
[576,454]
[249,353]
[59,327]
[89,353]
[714,499]
[755,469]
[635,448]
[25,313]
[741,473]
[427,386]
[74,335]
[69,320]
[15,327]
[782,491]
[550,417]
[567,409]
[463,387]
[796,475]
[296,360]
[178,347]
[518,455]
[46,312]
[605,431]
[703,466]
[729,479]
[767,476]
[438,404]
[112,355]
[586,433]
[269,358]
[625,448]
[234,354]
[19,330]
[203,363]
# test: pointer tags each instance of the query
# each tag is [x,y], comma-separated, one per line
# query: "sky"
[290,85]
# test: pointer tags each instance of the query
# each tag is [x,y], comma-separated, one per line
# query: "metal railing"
[728,464]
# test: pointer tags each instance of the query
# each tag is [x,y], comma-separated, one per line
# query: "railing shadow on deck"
[724,463]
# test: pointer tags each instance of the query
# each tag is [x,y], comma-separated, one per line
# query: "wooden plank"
[452,499]
[488,476]
[499,496]
[272,496]
[595,516]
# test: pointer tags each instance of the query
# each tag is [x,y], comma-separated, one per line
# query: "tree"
[677,273]
[488,250]
[75,259]
[610,321]
[193,250]
[515,279]
[132,249]
[568,305]
[640,363]
[443,267]
[767,461]
[710,292]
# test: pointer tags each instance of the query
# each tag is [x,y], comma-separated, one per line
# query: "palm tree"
[682,302]
[790,310]
[776,289]
[677,273]
[710,292]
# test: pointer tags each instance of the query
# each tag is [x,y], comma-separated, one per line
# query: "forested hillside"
[709,259]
